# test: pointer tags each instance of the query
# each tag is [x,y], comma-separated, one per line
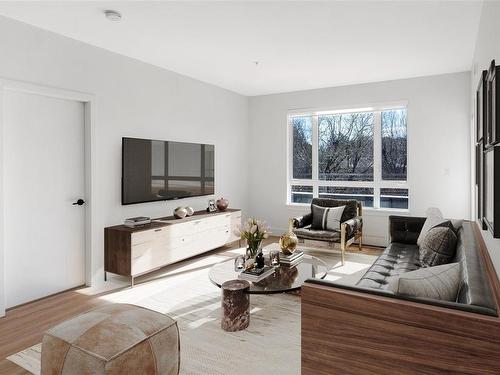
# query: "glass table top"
[284,279]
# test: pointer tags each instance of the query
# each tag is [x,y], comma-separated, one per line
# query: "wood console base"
[136,251]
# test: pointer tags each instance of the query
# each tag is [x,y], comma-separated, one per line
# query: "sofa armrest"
[302,221]
[353,226]
[405,229]
[403,326]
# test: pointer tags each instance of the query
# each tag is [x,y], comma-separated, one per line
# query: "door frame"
[89,102]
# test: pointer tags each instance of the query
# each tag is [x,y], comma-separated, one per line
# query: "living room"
[317,142]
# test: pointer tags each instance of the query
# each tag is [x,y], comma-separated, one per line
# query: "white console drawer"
[149,255]
[164,245]
[149,235]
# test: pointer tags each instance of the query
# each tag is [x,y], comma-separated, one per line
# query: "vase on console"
[180,213]
[222,204]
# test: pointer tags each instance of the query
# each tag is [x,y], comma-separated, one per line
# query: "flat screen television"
[162,170]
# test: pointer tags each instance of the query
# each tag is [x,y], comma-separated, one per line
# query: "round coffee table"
[284,279]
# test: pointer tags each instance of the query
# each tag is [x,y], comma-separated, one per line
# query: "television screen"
[160,170]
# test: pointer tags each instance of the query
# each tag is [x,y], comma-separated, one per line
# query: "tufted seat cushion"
[317,234]
[396,259]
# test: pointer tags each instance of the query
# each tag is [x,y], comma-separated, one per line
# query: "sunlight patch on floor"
[349,268]
[255,310]
[200,322]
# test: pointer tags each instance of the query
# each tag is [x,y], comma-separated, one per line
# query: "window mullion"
[315,156]
[290,152]
[377,158]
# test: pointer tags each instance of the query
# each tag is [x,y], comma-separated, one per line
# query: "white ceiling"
[299,45]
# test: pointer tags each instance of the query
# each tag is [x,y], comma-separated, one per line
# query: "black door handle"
[79,202]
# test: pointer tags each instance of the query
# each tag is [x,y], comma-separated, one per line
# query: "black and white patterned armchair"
[351,225]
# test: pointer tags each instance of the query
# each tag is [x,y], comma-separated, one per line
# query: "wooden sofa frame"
[351,332]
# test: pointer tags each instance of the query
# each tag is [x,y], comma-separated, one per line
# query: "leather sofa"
[402,255]
[367,329]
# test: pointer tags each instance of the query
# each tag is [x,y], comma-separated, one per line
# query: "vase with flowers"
[254,231]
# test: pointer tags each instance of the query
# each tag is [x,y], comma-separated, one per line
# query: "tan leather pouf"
[114,339]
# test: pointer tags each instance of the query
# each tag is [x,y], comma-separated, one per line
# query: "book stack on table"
[292,259]
[256,274]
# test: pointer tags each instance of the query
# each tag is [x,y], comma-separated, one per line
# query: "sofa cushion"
[430,222]
[439,282]
[319,235]
[439,246]
[433,221]
[327,218]
[396,259]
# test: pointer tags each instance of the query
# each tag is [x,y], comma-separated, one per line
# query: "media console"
[136,251]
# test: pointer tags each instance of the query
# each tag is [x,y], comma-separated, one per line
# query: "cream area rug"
[270,345]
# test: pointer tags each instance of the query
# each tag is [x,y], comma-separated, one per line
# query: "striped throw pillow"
[326,218]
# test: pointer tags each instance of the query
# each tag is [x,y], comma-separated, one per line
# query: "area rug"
[271,344]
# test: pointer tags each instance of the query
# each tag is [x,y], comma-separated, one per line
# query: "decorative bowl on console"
[222,204]
[190,211]
[180,213]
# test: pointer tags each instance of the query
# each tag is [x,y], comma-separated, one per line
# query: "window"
[345,151]
[302,147]
[350,154]
[394,145]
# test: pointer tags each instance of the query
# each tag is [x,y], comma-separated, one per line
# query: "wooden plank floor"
[24,326]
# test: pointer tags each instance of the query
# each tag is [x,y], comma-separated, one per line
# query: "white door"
[43,176]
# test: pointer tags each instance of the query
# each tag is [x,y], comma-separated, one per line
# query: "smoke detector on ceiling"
[113,15]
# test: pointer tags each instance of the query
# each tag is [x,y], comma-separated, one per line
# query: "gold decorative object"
[288,241]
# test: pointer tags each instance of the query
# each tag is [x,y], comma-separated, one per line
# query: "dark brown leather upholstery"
[353,225]
[396,259]
[475,288]
[317,234]
[402,255]
[405,229]
[302,221]
[302,224]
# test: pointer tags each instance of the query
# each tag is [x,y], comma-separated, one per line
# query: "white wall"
[438,146]
[132,99]
[487,49]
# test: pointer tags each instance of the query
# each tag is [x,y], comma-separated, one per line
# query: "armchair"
[351,227]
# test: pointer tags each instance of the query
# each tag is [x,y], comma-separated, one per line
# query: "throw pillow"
[433,211]
[439,246]
[433,221]
[454,225]
[326,217]
[440,282]
[434,217]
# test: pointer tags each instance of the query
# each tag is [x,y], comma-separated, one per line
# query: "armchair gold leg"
[343,230]
[360,241]
[342,251]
